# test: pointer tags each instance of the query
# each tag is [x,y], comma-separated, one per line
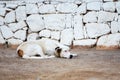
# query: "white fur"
[43,47]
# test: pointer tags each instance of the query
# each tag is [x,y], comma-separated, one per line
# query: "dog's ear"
[58,51]
[57,48]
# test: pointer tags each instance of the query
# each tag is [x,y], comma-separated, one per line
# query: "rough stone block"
[66,36]
[55,35]
[68,20]
[78,27]
[2,11]
[10,17]
[85,43]
[17,26]
[48,8]
[94,6]
[118,7]
[115,27]
[55,21]
[81,9]
[6,32]
[13,43]
[11,5]
[31,9]
[109,6]
[1,20]
[106,16]
[21,13]
[2,41]
[20,34]
[95,30]
[92,1]
[35,22]
[32,36]
[90,17]
[71,7]
[111,41]
[45,33]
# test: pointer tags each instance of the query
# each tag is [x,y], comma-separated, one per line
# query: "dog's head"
[63,53]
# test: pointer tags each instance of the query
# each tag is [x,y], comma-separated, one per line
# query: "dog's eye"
[66,51]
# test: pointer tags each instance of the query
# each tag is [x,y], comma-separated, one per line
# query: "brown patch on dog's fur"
[20,52]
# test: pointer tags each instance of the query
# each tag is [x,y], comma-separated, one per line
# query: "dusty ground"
[90,64]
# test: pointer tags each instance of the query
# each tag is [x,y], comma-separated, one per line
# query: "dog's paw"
[74,55]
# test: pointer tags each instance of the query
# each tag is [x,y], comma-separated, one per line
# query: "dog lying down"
[44,48]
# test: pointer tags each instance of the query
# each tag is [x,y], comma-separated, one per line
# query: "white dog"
[43,48]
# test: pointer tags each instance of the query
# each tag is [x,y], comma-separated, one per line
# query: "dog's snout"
[71,56]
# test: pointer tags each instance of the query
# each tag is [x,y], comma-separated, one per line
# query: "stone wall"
[87,23]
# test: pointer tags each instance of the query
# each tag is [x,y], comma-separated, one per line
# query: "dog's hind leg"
[34,57]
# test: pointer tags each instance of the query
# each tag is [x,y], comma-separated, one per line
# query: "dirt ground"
[90,64]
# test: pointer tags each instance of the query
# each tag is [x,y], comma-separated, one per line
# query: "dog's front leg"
[74,55]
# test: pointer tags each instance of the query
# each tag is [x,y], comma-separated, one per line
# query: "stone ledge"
[107,47]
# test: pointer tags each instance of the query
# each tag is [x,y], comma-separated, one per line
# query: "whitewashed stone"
[95,30]
[25,28]
[66,9]
[118,7]
[21,13]
[119,18]
[35,22]
[115,27]
[13,41]
[60,0]
[107,0]
[13,26]
[55,35]
[2,41]
[32,37]
[68,20]
[78,27]
[21,3]
[39,4]
[10,17]
[85,43]
[31,9]
[66,36]
[16,26]
[106,16]
[11,5]
[55,21]
[109,41]
[2,11]
[21,24]
[109,6]
[90,17]
[8,9]
[20,34]
[35,1]
[6,32]
[47,8]
[45,33]
[1,20]
[92,1]
[94,6]
[77,1]
[81,9]
[2,5]
[85,33]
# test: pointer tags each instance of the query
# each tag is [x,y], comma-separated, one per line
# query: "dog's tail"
[20,53]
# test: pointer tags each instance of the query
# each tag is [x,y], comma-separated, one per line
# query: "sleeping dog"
[43,48]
